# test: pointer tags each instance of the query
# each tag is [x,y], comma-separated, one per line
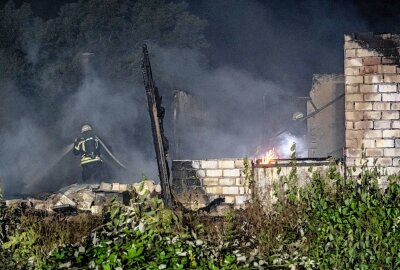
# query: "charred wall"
[198,182]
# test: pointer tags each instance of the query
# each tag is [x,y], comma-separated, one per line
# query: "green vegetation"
[329,223]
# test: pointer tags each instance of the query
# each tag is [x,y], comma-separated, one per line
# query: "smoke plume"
[259,54]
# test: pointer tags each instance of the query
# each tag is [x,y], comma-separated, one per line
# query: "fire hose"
[111,154]
[68,148]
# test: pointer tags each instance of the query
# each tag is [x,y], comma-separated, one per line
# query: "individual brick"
[227,181]
[226,164]
[359,161]
[381,106]
[368,70]
[352,89]
[351,143]
[354,134]
[395,106]
[391,78]
[239,163]
[374,152]
[214,173]
[371,61]
[384,143]
[123,187]
[390,115]
[229,199]
[387,69]
[363,125]
[396,124]
[392,170]
[391,133]
[352,71]
[352,45]
[350,53]
[372,115]
[354,79]
[372,134]
[387,88]
[366,143]
[373,78]
[391,152]
[354,116]
[366,53]
[214,190]
[231,173]
[230,190]
[115,187]
[391,97]
[363,106]
[210,181]
[354,97]
[368,88]
[353,152]
[372,97]
[382,124]
[385,161]
[353,62]
[209,164]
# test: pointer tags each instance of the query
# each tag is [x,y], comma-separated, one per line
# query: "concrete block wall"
[198,182]
[372,99]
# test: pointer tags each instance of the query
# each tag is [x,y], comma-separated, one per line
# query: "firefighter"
[89,148]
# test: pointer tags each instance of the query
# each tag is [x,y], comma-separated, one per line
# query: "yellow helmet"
[86,128]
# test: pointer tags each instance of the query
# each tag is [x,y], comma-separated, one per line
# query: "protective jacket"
[88,146]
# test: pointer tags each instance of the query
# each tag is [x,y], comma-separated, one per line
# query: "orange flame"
[269,156]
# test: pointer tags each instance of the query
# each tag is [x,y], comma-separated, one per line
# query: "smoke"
[230,120]
[285,143]
[282,41]
[117,114]
[239,90]
[33,156]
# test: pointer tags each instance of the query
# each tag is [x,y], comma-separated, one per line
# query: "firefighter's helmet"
[86,128]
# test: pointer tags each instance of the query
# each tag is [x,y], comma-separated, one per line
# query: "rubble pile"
[90,198]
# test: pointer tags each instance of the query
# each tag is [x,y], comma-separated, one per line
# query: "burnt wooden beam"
[157,112]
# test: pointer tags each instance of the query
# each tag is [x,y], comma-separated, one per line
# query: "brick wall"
[195,183]
[372,100]
[268,178]
[198,182]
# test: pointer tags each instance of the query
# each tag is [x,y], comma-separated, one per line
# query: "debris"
[91,198]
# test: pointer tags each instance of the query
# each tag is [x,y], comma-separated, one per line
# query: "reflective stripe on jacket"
[88,146]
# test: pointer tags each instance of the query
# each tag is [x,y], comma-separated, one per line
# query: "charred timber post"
[157,112]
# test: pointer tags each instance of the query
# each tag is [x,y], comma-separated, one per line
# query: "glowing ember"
[269,156]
